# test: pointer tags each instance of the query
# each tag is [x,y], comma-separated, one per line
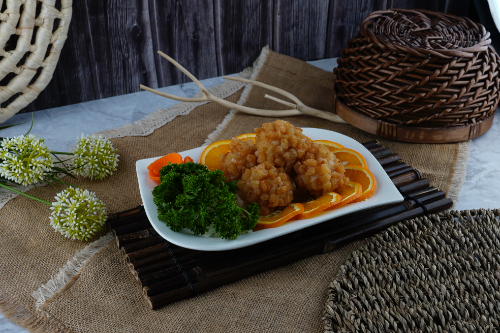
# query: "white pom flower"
[77,213]
[24,159]
[94,157]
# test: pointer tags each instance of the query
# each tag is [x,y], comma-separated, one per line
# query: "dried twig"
[298,108]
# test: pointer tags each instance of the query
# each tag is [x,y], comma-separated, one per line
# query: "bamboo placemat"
[168,273]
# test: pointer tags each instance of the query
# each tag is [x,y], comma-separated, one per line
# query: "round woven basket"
[419,76]
[32,34]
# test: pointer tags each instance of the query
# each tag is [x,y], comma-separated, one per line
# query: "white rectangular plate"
[385,193]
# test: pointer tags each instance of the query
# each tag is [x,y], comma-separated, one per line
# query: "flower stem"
[22,193]
[61,153]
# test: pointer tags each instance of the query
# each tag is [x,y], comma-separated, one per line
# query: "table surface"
[61,126]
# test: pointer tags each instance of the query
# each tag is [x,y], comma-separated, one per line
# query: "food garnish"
[333,146]
[155,167]
[247,136]
[316,206]
[211,154]
[350,157]
[364,177]
[274,221]
[351,192]
[191,196]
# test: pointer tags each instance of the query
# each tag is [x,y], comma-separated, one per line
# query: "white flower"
[24,159]
[94,157]
[77,213]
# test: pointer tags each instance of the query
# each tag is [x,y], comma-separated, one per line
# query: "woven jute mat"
[439,273]
[52,284]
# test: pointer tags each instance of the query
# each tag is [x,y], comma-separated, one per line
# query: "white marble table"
[60,127]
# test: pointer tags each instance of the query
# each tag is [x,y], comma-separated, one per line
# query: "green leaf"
[7,126]
[53,180]
[64,171]
[61,161]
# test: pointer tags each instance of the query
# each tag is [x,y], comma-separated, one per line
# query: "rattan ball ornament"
[32,35]
[418,76]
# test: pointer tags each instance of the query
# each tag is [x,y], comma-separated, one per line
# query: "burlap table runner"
[44,288]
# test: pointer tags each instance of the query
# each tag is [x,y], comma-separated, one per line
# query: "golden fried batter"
[265,169]
[319,171]
[241,156]
[267,186]
[281,144]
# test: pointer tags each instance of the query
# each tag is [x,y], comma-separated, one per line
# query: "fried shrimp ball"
[241,156]
[319,171]
[267,186]
[281,144]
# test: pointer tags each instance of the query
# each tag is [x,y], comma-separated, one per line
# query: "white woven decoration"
[22,18]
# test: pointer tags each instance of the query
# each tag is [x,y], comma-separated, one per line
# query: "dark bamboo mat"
[169,273]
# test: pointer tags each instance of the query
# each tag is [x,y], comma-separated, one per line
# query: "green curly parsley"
[192,197]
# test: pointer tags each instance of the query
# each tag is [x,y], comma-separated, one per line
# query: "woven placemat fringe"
[254,71]
[163,116]
[15,312]
[459,171]
[66,273]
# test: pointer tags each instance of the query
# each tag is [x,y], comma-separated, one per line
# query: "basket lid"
[420,69]
[425,33]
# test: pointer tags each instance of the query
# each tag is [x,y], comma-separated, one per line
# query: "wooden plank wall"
[112,44]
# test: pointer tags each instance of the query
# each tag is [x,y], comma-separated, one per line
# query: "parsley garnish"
[191,196]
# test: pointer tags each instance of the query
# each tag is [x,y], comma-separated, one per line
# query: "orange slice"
[247,136]
[333,146]
[363,176]
[350,157]
[289,212]
[312,208]
[211,154]
[155,167]
[351,192]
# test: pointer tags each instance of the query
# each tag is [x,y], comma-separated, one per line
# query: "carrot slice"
[155,167]
[154,176]
[160,162]
[289,212]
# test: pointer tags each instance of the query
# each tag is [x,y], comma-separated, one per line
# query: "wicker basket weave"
[32,34]
[420,69]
